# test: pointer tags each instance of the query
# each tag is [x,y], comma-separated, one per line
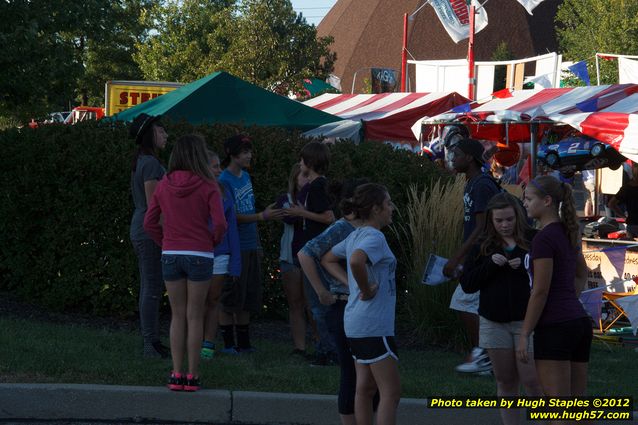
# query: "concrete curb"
[111,402]
[126,403]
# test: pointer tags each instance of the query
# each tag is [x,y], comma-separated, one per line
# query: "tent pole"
[597,194]
[597,71]
[533,127]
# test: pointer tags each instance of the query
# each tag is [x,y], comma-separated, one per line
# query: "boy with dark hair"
[316,156]
[467,158]
[317,215]
[244,296]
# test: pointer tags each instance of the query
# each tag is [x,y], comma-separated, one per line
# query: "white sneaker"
[480,362]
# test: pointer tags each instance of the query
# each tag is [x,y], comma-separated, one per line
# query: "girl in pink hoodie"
[188,200]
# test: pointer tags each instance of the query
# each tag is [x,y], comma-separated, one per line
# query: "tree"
[189,38]
[276,48]
[103,35]
[501,53]
[262,41]
[36,68]
[585,27]
[56,52]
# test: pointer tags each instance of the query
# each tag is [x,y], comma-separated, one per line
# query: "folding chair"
[614,311]
[607,311]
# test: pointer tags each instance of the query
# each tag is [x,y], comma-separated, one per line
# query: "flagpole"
[404,52]
[470,52]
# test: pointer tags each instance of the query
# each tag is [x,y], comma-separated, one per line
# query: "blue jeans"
[326,343]
[348,374]
[151,287]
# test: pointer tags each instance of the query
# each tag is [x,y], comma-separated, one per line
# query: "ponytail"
[345,203]
[567,214]
[346,206]
[563,201]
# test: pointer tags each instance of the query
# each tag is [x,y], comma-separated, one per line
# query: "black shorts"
[246,293]
[373,349]
[565,341]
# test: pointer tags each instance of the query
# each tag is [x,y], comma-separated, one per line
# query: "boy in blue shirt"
[243,297]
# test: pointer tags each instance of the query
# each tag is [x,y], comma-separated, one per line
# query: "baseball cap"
[473,148]
[140,124]
[235,144]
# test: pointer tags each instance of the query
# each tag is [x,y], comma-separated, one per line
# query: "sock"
[228,335]
[208,344]
[243,339]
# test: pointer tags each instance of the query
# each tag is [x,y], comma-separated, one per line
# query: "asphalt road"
[71,422]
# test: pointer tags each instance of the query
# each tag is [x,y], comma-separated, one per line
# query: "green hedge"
[66,208]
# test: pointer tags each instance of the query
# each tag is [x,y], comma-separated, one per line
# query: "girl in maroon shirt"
[562,330]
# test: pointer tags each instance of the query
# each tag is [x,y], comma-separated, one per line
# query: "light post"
[404,51]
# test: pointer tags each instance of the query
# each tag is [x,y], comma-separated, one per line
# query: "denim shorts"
[221,264]
[192,267]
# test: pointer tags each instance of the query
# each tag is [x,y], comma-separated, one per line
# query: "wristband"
[264,216]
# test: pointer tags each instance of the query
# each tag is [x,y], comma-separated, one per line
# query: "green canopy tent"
[224,98]
[315,87]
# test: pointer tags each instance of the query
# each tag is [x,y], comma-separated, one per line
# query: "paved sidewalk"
[133,404]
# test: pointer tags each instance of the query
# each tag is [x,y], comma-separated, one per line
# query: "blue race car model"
[579,153]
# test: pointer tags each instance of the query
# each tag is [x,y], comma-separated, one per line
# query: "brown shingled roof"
[368,33]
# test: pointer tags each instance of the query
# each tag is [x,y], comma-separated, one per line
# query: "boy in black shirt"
[317,215]
[467,158]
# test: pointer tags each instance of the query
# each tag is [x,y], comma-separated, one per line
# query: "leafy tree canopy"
[585,27]
[262,41]
[187,38]
[58,53]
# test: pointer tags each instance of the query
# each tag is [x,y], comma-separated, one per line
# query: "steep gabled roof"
[368,33]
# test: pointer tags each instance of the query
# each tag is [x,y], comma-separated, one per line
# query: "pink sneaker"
[192,383]
[176,382]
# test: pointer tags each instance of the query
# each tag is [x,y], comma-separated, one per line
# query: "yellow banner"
[125,94]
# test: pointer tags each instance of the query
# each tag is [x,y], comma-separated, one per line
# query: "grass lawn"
[34,351]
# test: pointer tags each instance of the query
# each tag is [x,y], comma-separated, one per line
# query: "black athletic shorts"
[373,349]
[570,341]
[246,293]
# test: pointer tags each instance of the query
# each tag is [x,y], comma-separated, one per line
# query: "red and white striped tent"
[385,116]
[607,113]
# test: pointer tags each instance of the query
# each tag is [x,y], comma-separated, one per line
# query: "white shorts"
[220,266]
[462,301]
[493,335]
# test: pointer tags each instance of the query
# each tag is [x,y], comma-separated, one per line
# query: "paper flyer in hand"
[433,274]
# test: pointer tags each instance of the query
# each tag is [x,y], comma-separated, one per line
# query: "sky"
[313,10]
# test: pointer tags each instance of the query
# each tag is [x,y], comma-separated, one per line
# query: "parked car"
[579,153]
[84,113]
[57,117]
